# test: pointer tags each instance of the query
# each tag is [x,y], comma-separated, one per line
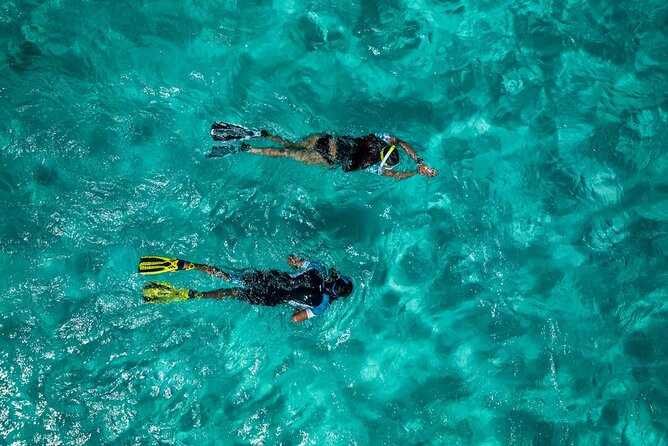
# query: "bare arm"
[299,316]
[399,175]
[295,261]
[407,148]
[423,169]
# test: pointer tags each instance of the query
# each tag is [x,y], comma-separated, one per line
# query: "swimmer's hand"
[295,261]
[299,316]
[427,171]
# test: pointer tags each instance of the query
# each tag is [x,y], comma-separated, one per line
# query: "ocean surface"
[518,298]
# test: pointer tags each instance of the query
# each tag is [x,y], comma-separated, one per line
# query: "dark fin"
[220,151]
[225,131]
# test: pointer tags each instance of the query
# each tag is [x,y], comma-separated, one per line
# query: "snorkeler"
[311,288]
[350,153]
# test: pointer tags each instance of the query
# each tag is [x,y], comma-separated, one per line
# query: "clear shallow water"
[519,297]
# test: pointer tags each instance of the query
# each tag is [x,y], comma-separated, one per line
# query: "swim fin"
[164,293]
[157,265]
[228,149]
[225,131]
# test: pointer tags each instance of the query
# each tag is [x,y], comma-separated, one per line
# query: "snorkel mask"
[342,287]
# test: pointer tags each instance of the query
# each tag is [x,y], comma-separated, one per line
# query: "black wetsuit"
[355,153]
[273,287]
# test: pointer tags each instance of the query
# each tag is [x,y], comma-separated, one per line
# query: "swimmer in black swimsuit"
[374,152]
[311,289]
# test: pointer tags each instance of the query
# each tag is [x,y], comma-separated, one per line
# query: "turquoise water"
[517,298]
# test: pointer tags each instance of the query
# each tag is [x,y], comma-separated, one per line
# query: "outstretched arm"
[423,169]
[399,175]
[407,148]
[298,263]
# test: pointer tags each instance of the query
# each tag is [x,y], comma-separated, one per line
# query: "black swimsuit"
[273,287]
[354,153]
[322,147]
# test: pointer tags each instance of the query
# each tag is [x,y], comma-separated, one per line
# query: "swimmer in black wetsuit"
[311,288]
[374,152]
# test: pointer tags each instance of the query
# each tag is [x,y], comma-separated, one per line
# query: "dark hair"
[364,152]
[393,159]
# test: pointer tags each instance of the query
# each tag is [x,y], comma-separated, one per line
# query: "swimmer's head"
[392,160]
[342,287]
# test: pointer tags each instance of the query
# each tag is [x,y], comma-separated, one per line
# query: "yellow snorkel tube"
[385,156]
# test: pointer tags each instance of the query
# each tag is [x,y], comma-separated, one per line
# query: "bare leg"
[283,142]
[310,143]
[305,156]
[212,270]
[305,144]
[303,150]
